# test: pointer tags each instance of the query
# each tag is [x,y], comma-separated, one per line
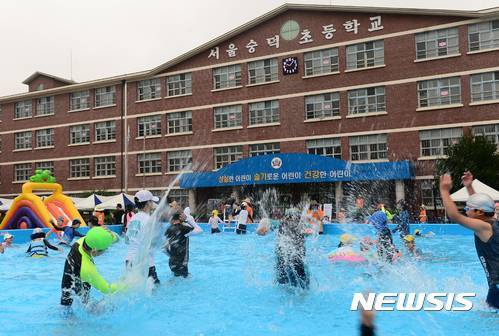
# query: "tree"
[476,154]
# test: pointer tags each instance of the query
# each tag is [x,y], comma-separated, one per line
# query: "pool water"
[231,292]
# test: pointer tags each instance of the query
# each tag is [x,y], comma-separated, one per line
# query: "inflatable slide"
[30,211]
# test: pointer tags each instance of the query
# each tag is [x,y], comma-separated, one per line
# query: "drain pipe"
[125,138]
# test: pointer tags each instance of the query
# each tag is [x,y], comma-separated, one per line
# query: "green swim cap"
[99,238]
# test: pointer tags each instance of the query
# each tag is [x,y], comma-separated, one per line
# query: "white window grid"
[79,100]
[46,165]
[437,43]
[22,172]
[326,147]
[105,131]
[79,168]
[227,155]
[105,96]
[264,112]
[227,76]
[45,106]
[181,196]
[490,132]
[228,116]
[179,160]
[149,126]
[45,138]
[23,109]
[149,163]
[179,122]
[149,89]
[444,91]
[368,147]
[429,194]
[79,134]
[322,106]
[105,166]
[23,140]
[437,142]
[366,100]
[365,55]
[179,84]
[263,71]
[483,35]
[264,149]
[321,62]
[485,86]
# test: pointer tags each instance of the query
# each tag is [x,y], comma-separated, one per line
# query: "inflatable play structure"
[30,211]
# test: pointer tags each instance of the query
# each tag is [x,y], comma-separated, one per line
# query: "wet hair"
[75,221]
[129,207]
[94,221]
[489,214]
[140,205]
[37,235]
[175,217]
[340,245]
[119,205]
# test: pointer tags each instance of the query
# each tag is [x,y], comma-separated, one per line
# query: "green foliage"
[42,176]
[475,154]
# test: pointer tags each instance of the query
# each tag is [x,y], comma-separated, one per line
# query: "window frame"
[149,126]
[438,144]
[24,144]
[361,54]
[264,112]
[76,98]
[432,40]
[110,166]
[263,71]
[314,62]
[28,170]
[109,135]
[179,85]
[83,165]
[179,120]
[147,163]
[493,93]
[45,106]
[482,29]
[179,160]
[329,147]
[429,87]
[222,77]
[46,140]
[315,106]
[233,153]
[222,115]
[107,98]
[366,96]
[271,148]
[375,147]
[27,109]
[148,89]
[84,130]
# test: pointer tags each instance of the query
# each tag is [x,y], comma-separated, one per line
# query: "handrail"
[28,187]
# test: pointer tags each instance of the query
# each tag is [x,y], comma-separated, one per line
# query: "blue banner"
[296,168]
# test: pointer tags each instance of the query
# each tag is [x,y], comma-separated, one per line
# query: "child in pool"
[7,242]
[410,245]
[214,221]
[345,247]
[39,245]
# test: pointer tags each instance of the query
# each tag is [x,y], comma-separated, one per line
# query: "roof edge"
[39,73]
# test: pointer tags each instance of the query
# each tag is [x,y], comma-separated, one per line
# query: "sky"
[114,37]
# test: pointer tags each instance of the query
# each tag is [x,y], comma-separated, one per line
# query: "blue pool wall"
[23,236]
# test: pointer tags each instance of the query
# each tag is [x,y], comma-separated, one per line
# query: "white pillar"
[399,190]
[192,200]
[338,195]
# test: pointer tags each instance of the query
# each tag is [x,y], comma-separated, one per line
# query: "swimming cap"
[347,238]
[481,202]
[99,238]
[409,238]
[215,212]
[37,230]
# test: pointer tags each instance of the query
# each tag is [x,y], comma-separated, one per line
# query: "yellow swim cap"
[409,238]
[99,238]
[215,212]
[347,238]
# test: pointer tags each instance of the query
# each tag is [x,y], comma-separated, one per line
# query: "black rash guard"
[488,253]
[177,247]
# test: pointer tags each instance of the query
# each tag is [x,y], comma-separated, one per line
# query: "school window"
[105,131]
[485,86]
[366,100]
[436,142]
[79,134]
[47,165]
[179,160]
[228,116]
[326,147]
[322,106]
[79,168]
[45,106]
[321,62]
[430,194]
[368,147]
[437,43]
[227,77]
[45,138]
[149,89]
[227,155]
[79,100]
[490,132]
[105,166]
[149,163]
[179,122]
[264,112]
[365,55]
[438,92]
[105,96]
[22,172]
[149,126]
[483,35]
[23,109]
[23,140]
[262,71]
[179,84]
[264,149]
[181,196]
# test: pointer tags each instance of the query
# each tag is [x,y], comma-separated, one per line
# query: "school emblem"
[276,163]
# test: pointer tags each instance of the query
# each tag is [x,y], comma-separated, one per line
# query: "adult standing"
[118,214]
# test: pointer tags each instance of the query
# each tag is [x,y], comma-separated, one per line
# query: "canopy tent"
[112,201]
[90,202]
[5,204]
[462,195]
